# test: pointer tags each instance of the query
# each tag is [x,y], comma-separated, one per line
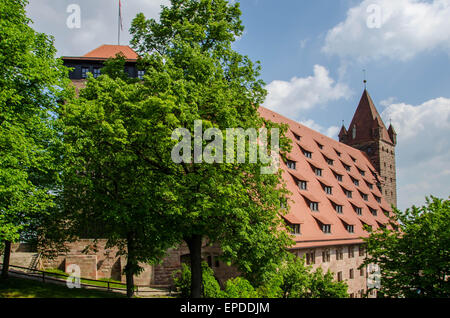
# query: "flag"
[120,15]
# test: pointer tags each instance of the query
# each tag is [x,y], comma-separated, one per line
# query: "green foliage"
[32,83]
[182,282]
[239,288]
[413,253]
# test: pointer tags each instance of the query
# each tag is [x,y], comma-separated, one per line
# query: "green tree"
[32,81]
[192,69]
[413,252]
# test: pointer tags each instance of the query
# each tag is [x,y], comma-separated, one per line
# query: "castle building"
[337,188]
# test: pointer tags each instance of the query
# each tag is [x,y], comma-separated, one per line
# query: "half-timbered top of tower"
[366,124]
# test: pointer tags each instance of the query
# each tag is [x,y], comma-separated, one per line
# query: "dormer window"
[291,164]
[328,190]
[355,182]
[330,162]
[302,185]
[347,167]
[339,208]
[314,206]
[319,145]
[377,198]
[338,177]
[326,228]
[295,228]
[370,185]
[318,172]
[373,211]
[297,137]
[362,172]
[350,228]
[337,152]
[358,210]
[348,193]
[365,197]
[307,154]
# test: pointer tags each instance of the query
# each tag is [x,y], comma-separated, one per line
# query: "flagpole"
[118,27]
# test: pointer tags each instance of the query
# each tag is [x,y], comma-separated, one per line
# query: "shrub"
[182,282]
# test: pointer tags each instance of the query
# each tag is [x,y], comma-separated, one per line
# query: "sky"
[312,55]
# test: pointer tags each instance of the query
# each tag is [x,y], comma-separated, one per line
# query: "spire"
[367,123]
[343,133]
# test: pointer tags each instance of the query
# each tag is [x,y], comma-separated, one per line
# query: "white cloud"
[406,28]
[99,22]
[299,94]
[423,149]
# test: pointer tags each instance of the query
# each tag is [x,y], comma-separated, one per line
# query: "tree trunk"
[130,268]
[195,248]
[6,257]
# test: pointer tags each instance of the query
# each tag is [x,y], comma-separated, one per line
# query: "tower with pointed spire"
[368,133]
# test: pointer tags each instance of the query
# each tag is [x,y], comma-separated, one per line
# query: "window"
[338,153]
[354,160]
[330,162]
[351,273]
[362,172]
[319,145]
[302,185]
[347,167]
[339,177]
[348,194]
[310,258]
[326,228]
[377,198]
[361,272]
[209,260]
[314,206]
[295,228]
[358,210]
[326,256]
[339,208]
[339,254]
[216,261]
[364,196]
[291,164]
[84,71]
[318,172]
[373,211]
[140,74]
[370,185]
[328,190]
[362,250]
[351,253]
[296,136]
[339,276]
[307,154]
[97,72]
[350,228]
[355,182]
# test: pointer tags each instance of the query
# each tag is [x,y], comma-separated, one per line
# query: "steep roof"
[325,154]
[107,51]
[366,119]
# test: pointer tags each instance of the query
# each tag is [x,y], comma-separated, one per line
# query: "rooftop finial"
[365,81]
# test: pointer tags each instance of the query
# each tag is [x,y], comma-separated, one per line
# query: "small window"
[373,211]
[351,253]
[326,228]
[296,136]
[295,228]
[362,172]
[364,196]
[347,167]
[338,153]
[307,154]
[319,145]
[318,172]
[370,185]
[326,256]
[339,208]
[355,182]
[291,164]
[330,162]
[377,198]
[350,229]
[302,185]
[362,250]
[339,276]
[314,206]
[348,194]
[328,190]
[358,210]
[216,261]
[361,272]
[351,273]
[209,260]
[339,254]
[97,72]
[310,258]
[338,177]
[84,71]
[141,74]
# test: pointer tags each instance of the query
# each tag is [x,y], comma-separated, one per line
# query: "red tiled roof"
[311,233]
[107,51]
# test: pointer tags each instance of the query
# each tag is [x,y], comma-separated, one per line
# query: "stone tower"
[368,133]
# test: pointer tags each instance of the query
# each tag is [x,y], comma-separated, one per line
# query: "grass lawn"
[102,282]
[25,288]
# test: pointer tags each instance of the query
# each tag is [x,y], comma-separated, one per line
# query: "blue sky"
[313,54]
